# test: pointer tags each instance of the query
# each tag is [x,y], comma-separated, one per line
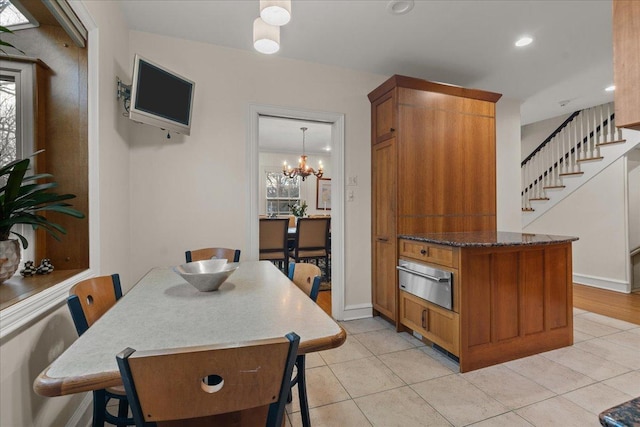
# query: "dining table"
[163,311]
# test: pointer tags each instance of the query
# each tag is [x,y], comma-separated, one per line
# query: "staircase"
[585,144]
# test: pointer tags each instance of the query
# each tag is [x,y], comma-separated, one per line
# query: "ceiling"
[280,135]
[468,43]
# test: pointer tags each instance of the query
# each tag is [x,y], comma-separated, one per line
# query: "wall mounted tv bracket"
[123,92]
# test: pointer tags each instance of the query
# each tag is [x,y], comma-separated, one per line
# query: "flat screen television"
[160,97]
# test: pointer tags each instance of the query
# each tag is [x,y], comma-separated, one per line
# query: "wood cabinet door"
[626,62]
[448,170]
[383,117]
[384,190]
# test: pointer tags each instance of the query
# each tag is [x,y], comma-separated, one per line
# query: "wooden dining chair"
[231,255]
[312,241]
[273,241]
[240,384]
[306,277]
[88,300]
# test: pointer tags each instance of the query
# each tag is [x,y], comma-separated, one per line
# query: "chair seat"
[117,390]
[272,256]
[312,253]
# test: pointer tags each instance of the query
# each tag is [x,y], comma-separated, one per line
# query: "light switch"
[350,196]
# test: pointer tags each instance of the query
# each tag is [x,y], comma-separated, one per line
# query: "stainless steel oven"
[428,283]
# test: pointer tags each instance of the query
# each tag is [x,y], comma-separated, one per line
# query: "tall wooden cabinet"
[626,62]
[433,169]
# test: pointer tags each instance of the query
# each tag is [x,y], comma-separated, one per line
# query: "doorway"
[336,123]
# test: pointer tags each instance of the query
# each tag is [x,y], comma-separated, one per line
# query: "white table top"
[163,311]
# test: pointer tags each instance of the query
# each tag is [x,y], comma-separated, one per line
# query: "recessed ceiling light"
[610,88]
[399,7]
[524,41]
[327,148]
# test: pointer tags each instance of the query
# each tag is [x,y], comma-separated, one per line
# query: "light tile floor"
[380,378]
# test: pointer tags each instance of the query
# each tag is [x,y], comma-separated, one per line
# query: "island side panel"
[515,302]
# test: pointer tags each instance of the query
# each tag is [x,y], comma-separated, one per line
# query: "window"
[15,18]
[16,124]
[7,122]
[281,193]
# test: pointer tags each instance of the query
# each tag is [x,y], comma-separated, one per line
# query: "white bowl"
[206,276]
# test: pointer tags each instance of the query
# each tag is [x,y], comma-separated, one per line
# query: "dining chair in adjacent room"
[273,241]
[240,384]
[306,277]
[88,300]
[312,241]
[231,255]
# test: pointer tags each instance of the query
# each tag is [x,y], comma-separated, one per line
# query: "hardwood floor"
[608,303]
[324,301]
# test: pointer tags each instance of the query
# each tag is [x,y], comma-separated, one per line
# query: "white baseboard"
[357,311]
[603,283]
[82,416]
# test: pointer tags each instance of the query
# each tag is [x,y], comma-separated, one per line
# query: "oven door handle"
[426,276]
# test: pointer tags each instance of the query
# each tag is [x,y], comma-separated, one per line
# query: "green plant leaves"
[24,200]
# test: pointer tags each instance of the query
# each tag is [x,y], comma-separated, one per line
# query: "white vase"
[9,258]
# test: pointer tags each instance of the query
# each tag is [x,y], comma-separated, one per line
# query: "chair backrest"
[89,299]
[231,255]
[307,277]
[312,233]
[273,234]
[246,383]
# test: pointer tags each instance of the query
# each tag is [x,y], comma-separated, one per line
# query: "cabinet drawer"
[443,255]
[434,323]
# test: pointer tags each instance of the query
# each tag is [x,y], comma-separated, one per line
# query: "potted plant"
[299,209]
[24,199]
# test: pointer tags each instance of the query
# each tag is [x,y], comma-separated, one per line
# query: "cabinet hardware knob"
[424,316]
[392,130]
[423,251]
[382,239]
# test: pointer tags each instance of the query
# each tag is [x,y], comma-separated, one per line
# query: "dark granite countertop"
[487,238]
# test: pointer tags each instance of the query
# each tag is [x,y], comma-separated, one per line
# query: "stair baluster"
[578,139]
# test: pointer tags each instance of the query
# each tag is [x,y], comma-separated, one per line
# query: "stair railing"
[577,139]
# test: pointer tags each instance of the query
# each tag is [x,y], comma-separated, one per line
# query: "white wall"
[24,354]
[633,171]
[596,214]
[272,162]
[509,216]
[534,134]
[633,188]
[190,191]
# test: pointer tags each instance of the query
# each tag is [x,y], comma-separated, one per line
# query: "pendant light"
[266,38]
[303,170]
[275,12]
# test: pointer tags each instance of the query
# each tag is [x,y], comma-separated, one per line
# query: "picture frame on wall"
[323,194]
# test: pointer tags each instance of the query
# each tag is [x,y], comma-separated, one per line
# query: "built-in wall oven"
[428,283]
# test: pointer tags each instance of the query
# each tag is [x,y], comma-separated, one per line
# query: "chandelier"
[303,170]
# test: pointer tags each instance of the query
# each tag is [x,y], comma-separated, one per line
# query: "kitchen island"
[511,294]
